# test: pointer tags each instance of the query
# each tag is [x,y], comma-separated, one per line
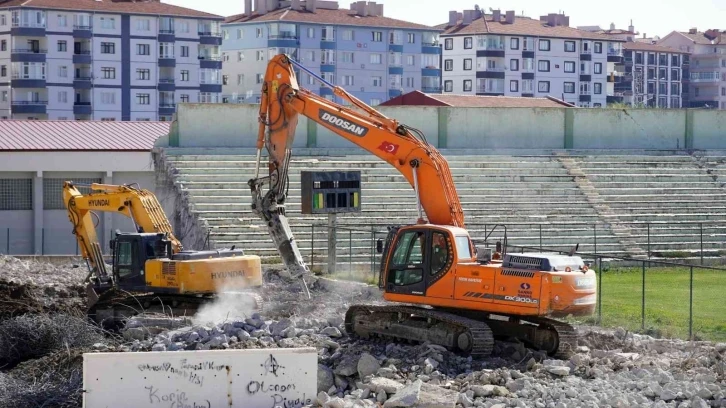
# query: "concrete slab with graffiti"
[266,378]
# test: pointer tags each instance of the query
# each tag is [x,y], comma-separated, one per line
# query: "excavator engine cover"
[195,255]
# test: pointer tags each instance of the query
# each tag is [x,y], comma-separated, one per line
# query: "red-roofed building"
[417,98]
[37,156]
[372,56]
[107,60]
[503,54]
[707,80]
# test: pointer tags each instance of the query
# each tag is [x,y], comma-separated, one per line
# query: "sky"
[655,17]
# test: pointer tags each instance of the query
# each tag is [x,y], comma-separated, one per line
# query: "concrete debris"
[615,368]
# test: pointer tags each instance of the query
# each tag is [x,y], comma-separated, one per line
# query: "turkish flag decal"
[388,147]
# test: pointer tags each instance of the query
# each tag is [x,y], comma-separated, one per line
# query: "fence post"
[594,231]
[599,291]
[42,242]
[332,242]
[7,242]
[350,252]
[642,306]
[312,248]
[690,308]
[648,240]
[701,225]
[76,247]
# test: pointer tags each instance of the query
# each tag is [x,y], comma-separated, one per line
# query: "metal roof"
[68,135]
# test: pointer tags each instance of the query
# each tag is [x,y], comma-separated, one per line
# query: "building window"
[467,64]
[448,86]
[185,75]
[143,49]
[347,57]
[449,44]
[166,50]
[63,71]
[598,48]
[108,23]
[570,46]
[348,35]
[143,74]
[4,96]
[143,24]
[411,38]
[570,67]
[543,66]
[108,98]
[468,43]
[260,55]
[375,102]
[3,20]
[543,86]
[143,99]
[569,87]
[584,68]
[62,46]
[185,51]
[467,85]
[4,70]
[240,36]
[597,88]
[377,36]
[108,73]
[258,32]
[347,80]
[662,89]
[675,76]
[225,34]
[259,79]
[651,58]
[3,45]
[514,43]
[544,45]
[663,74]
[598,68]
[410,60]
[63,97]
[514,65]
[376,58]
[513,86]
[675,89]
[240,56]
[311,32]
[108,48]
[17,194]
[448,65]
[183,98]
[410,82]
[377,81]
[328,33]
[696,90]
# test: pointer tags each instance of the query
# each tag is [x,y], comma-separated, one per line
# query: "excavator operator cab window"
[406,266]
[439,253]
[125,259]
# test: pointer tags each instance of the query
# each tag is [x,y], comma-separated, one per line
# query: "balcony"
[166,84]
[615,56]
[431,89]
[37,107]
[705,77]
[166,35]
[287,35]
[82,57]
[210,61]
[28,29]
[167,61]
[166,108]
[82,108]
[210,37]
[585,92]
[83,82]
[27,82]
[82,31]
[27,55]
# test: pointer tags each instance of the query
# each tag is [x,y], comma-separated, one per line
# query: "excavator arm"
[401,146]
[138,204]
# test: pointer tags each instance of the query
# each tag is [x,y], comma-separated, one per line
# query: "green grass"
[667,292]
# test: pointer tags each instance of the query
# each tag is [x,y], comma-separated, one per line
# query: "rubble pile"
[611,368]
[37,287]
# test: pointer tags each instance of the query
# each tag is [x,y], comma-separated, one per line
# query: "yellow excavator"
[150,270]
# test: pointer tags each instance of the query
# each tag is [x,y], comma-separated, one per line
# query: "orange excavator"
[444,290]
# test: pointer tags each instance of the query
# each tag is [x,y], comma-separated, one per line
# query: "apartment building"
[505,54]
[650,75]
[707,68]
[113,60]
[372,56]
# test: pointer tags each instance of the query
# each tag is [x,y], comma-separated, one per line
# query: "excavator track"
[422,325]
[114,307]
[557,338]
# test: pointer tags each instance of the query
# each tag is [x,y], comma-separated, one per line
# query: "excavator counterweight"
[447,292]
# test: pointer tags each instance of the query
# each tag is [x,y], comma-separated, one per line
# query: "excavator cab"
[130,253]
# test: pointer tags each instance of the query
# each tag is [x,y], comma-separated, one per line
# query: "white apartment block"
[706,73]
[66,60]
[505,54]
